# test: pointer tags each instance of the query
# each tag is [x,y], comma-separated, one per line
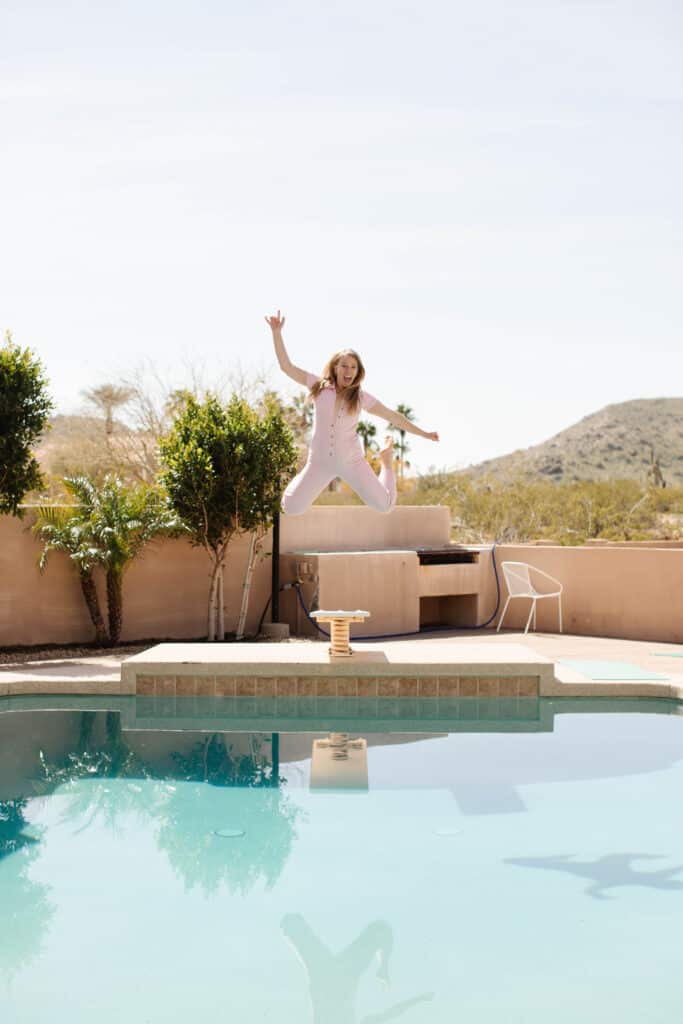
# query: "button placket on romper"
[345,459]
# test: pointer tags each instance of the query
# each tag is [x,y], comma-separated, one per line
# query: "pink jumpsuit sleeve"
[367,400]
[311,379]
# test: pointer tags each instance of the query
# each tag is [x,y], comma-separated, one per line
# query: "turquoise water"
[515,862]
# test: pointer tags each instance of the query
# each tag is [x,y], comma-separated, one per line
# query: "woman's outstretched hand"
[432,435]
[276,323]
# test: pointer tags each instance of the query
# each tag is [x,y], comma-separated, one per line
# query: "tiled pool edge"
[181,685]
[555,689]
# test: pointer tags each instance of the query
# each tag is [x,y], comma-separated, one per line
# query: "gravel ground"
[23,655]
[60,652]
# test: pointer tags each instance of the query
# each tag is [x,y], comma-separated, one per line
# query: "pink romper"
[336,450]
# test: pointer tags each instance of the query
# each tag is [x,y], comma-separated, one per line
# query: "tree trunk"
[115,604]
[220,611]
[93,602]
[246,587]
[85,738]
[211,617]
[216,611]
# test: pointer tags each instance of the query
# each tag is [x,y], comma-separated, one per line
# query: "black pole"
[275,579]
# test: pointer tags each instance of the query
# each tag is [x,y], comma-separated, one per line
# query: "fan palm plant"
[123,520]
[64,530]
[107,526]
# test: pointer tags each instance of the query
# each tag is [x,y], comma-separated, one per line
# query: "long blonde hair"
[328,378]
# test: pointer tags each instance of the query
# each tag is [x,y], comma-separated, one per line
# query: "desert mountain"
[618,442]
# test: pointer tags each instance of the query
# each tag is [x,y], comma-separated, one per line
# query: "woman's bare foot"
[386,453]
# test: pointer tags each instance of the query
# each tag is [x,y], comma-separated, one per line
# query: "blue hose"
[415,632]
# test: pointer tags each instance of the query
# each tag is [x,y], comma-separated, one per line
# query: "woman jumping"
[335,446]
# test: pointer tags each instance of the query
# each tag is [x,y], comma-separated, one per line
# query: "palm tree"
[106,398]
[123,520]
[63,529]
[108,527]
[368,432]
[402,445]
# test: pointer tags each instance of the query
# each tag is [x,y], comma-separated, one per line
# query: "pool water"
[514,870]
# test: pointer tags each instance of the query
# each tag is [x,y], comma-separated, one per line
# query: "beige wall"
[634,593]
[385,583]
[353,527]
[165,590]
[609,591]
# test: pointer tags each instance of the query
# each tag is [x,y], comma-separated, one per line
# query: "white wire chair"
[519,583]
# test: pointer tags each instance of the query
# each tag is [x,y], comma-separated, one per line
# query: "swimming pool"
[484,861]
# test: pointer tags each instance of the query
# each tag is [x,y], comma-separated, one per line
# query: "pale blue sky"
[484,199]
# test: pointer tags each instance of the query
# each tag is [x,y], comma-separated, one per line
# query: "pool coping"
[390,669]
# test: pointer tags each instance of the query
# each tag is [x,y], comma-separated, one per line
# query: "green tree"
[401,446]
[225,469]
[367,432]
[24,410]
[107,398]
[123,521]
[108,527]
[62,529]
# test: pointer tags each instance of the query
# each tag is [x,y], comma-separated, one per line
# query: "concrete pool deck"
[467,664]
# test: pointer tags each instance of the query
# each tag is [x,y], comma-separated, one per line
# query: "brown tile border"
[225,686]
[407,687]
[488,687]
[469,686]
[338,686]
[367,687]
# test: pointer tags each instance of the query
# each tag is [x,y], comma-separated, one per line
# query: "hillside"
[78,444]
[613,444]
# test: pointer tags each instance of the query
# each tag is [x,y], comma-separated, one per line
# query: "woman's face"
[346,372]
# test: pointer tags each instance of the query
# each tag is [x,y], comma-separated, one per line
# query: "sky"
[483,199]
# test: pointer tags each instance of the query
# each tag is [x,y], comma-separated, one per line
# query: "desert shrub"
[568,513]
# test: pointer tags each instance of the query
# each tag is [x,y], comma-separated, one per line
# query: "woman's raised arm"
[401,422]
[276,323]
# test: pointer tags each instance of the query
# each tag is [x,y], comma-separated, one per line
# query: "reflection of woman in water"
[334,979]
[335,446]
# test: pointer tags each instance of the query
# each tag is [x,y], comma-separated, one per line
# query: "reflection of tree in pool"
[12,824]
[99,763]
[242,793]
[26,909]
[105,780]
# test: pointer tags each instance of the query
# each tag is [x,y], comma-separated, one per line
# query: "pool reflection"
[333,978]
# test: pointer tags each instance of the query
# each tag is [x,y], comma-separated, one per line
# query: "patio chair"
[518,578]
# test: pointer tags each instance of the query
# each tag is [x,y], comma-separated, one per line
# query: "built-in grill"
[452,555]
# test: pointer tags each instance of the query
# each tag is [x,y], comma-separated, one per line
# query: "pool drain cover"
[229,833]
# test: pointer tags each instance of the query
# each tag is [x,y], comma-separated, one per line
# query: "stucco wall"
[634,593]
[165,590]
[628,592]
